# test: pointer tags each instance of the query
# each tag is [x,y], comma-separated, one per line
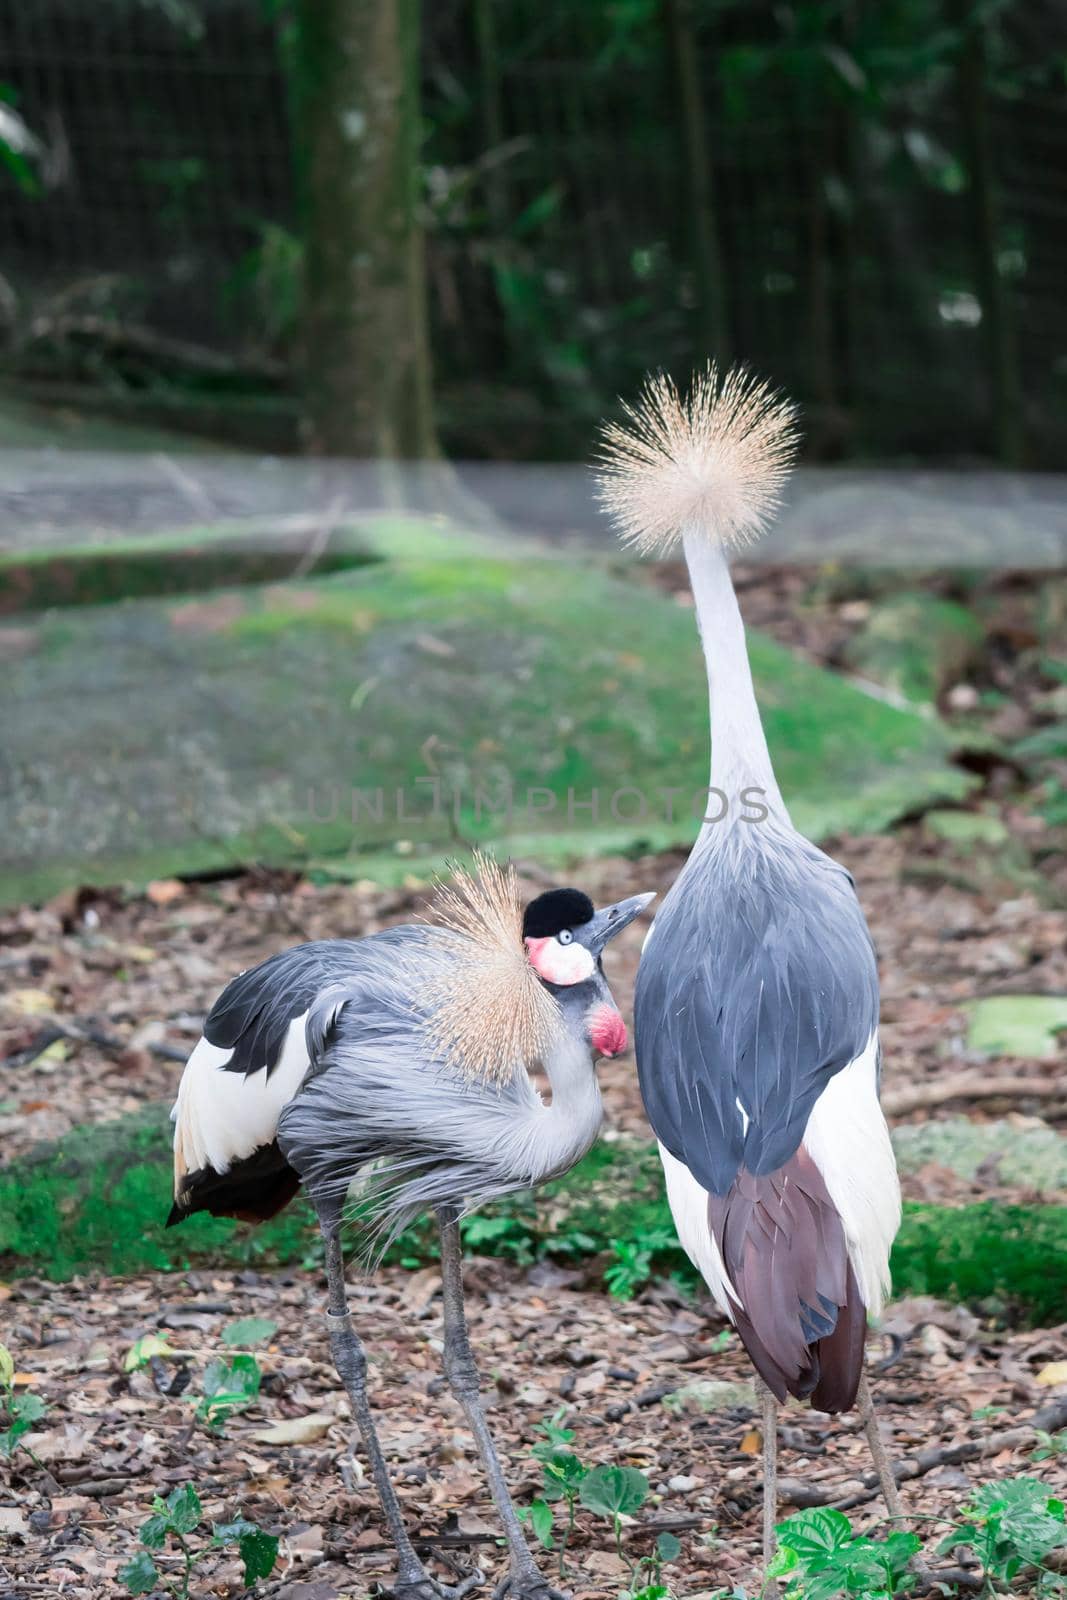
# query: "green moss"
[916,644]
[97,1201]
[1010,1260]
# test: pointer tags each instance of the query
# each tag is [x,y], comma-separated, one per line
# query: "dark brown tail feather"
[253,1190]
[840,1355]
[783,1246]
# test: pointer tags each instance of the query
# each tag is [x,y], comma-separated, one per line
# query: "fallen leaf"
[751,1444]
[12,1521]
[61,1444]
[164,891]
[30,1002]
[297,1430]
[1052,1375]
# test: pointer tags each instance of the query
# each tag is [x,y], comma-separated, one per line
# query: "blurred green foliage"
[819,186]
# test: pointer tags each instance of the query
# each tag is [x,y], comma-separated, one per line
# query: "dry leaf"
[30,1002]
[751,1444]
[297,1430]
[163,891]
[1052,1375]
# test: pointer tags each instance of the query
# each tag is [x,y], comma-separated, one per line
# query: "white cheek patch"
[562,964]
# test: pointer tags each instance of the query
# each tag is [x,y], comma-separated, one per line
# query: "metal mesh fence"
[566,217]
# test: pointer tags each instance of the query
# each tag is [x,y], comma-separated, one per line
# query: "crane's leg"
[769,1429]
[884,1467]
[879,1455]
[413,1582]
[523,1581]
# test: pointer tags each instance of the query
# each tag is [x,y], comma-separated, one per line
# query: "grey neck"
[739,756]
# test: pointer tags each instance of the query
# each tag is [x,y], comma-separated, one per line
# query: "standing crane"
[406,1053]
[756,1010]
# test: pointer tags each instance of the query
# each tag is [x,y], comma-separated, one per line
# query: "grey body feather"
[377,1094]
[758,984]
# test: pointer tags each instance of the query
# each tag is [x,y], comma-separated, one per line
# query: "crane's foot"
[526,1583]
[423,1587]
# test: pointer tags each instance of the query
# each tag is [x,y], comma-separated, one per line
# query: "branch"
[967,1086]
[63,1028]
[1050,1419]
[138,340]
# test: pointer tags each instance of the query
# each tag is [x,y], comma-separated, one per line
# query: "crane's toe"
[427,1588]
[526,1586]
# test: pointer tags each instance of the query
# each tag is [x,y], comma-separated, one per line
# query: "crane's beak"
[611,920]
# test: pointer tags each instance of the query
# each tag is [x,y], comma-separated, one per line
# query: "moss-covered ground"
[97,1201]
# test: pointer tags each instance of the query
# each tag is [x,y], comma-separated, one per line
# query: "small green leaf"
[27,1408]
[154,1532]
[815,1532]
[141,1353]
[564,1471]
[183,1508]
[250,1330]
[785,1561]
[141,1574]
[541,1521]
[668,1547]
[259,1552]
[230,1532]
[614,1491]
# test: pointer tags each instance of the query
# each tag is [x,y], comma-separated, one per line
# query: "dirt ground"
[142,972]
[111,1440]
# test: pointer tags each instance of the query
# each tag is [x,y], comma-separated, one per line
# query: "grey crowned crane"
[404,1056]
[756,1010]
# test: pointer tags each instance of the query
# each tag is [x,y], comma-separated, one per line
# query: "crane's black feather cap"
[555,910]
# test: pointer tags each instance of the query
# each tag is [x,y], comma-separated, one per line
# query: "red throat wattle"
[607,1032]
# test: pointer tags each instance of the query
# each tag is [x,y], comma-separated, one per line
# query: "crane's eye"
[565,936]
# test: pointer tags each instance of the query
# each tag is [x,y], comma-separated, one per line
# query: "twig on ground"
[82,1033]
[1050,1419]
[967,1086]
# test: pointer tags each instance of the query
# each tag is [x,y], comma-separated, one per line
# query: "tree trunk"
[367,376]
[1001,353]
[699,196]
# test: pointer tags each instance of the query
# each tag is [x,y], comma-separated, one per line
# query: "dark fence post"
[699,189]
[983,202]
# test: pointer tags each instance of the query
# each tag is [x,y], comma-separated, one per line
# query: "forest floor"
[647,1384]
[97,983]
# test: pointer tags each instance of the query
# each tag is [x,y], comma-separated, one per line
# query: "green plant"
[822,1557]
[634,1259]
[608,1491]
[229,1386]
[1049,1445]
[617,1492]
[563,1474]
[18,1412]
[1011,1525]
[176,1519]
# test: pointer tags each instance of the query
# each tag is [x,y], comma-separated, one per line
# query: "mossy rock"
[1030,1025]
[917,645]
[103,571]
[154,738]
[1033,1157]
